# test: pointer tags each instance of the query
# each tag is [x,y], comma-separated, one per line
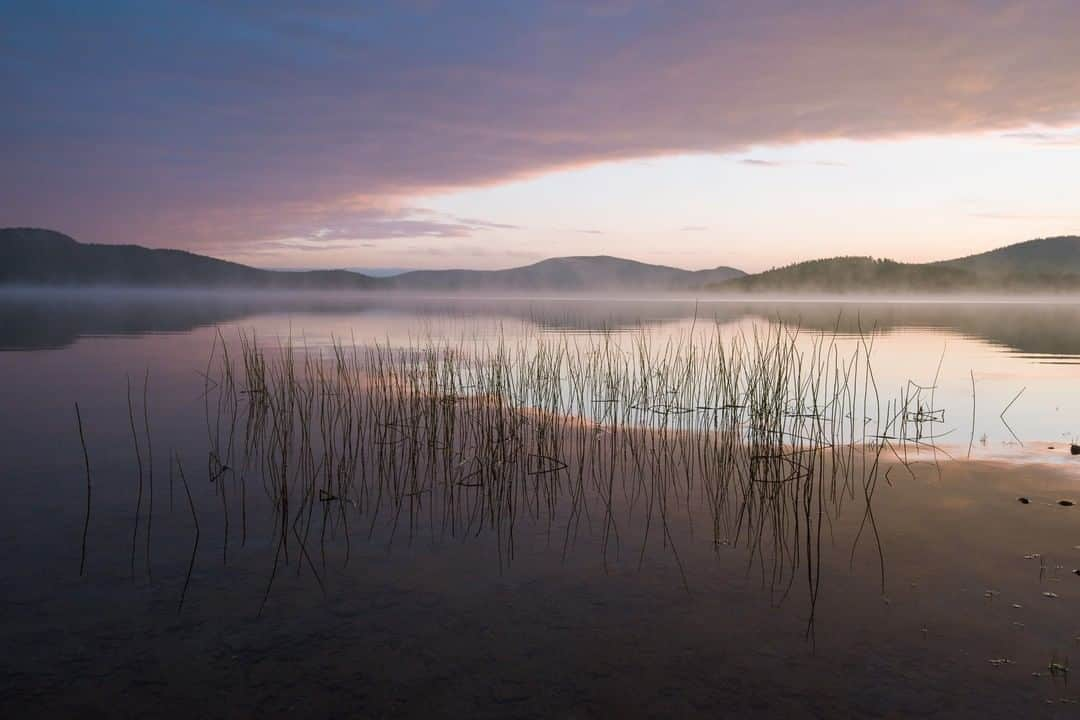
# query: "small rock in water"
[1050,595]
[1017,606]
[1074,449]
[1076,572]
[1066,503]
[1024,500]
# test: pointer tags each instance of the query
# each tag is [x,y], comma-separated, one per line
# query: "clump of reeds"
[769,432]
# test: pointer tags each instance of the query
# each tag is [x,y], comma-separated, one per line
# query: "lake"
[560,507]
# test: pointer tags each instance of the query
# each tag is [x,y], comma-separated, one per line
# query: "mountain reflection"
[36,320]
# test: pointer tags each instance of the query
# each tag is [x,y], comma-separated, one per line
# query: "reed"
[86,462]
[139,463]
[195,543]
[150,470]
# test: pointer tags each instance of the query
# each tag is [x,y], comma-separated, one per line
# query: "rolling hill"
[1043,265]
[1053,256]
[30,256]
[598,273]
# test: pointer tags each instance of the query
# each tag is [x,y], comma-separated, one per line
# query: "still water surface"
[964,604]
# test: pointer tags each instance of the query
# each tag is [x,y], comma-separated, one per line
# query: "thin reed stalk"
[86,520]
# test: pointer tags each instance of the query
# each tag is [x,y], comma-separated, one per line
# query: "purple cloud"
[213,125]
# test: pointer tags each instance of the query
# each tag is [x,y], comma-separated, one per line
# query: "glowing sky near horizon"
[913,200]
[476,134]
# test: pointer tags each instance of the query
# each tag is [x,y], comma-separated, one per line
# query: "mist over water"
[1021,354]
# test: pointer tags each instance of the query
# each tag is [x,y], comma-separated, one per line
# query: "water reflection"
[53,319]
[992,350]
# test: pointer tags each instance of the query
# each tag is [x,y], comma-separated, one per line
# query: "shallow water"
[419,622]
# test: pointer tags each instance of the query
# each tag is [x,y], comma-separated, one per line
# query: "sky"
[428,133]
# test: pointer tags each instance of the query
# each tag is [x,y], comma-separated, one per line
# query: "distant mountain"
[1044,265]
[851,274]
[570,274]
[1053,256]
[30,256]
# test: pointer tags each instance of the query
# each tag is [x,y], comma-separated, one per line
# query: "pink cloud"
[274,126]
